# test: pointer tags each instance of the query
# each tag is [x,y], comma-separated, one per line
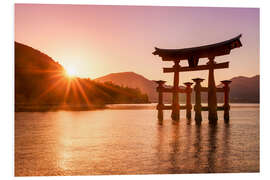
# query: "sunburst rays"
[66,84]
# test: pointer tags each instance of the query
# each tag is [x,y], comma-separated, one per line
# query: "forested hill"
[41,82]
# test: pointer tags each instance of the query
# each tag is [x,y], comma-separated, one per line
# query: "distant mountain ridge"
[243,89]
[133,80]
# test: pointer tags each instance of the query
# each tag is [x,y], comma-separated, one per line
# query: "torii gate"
[192,55]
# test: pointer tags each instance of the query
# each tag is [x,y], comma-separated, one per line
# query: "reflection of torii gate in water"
[192,55]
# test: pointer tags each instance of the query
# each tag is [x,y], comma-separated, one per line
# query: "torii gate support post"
[160,105]
[198,106]
[212,94]
[188,99]
[175,101]
[226,100]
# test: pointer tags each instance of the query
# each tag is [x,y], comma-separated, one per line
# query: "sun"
[70,71]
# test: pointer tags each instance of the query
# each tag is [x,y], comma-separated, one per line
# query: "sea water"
[128,139]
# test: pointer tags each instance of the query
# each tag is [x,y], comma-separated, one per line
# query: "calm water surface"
[130,140]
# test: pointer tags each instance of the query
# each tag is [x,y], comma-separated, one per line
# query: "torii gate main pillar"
[175,101]
[212,93]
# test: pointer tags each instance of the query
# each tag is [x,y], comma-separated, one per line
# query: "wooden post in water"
[226,100]
[198,106]
[212,95]
[175,101]
[160,105]
[188,99]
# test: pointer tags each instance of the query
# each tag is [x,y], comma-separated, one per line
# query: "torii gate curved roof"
[212,50]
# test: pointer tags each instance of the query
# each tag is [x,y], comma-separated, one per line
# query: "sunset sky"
[98,40]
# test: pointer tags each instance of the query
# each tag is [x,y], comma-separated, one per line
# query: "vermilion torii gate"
[192,55]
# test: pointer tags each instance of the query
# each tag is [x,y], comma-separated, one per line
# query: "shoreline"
[65,107]
[51,108]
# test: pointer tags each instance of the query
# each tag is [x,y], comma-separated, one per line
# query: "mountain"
[34,73]
[132,80]
[41,83]
[243,89]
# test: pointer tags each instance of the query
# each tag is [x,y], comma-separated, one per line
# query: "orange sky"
[98,40]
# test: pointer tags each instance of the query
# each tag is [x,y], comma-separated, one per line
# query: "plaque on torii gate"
[192,55]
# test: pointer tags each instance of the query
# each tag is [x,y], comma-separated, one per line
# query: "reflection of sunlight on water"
[64,132]
[64,157]
[133,142]
[76,136]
